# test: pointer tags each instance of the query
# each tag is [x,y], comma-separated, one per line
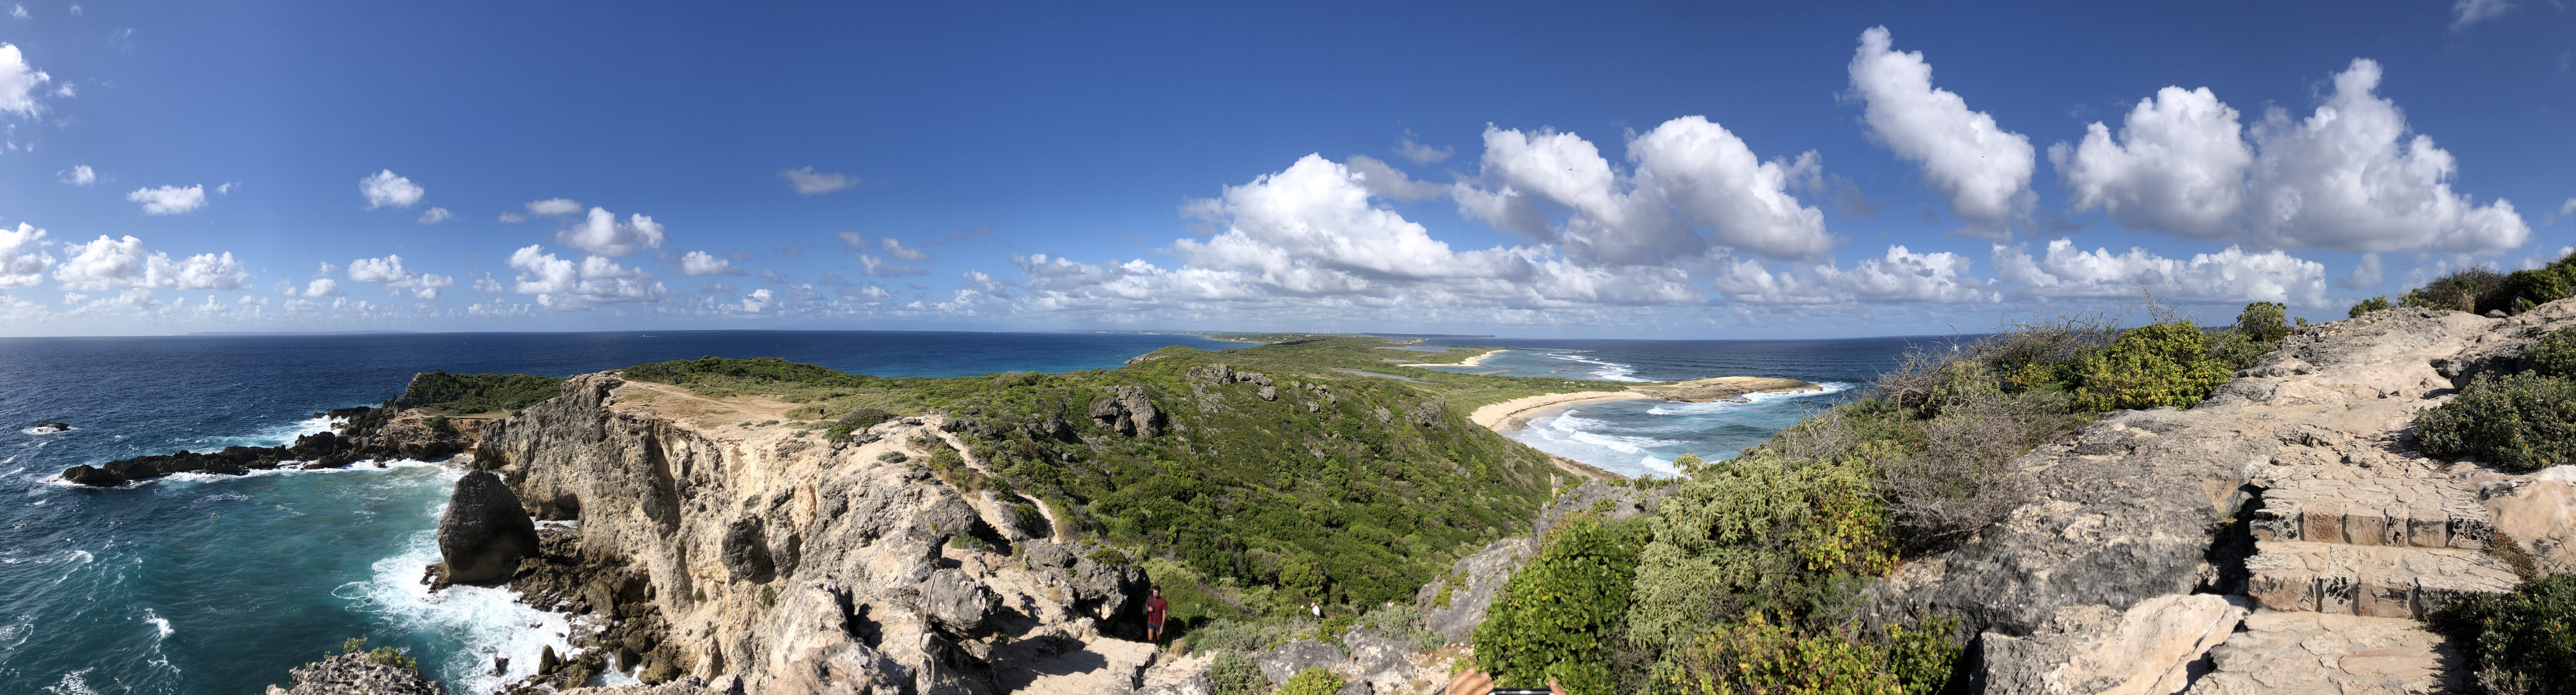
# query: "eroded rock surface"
[354,674]
[798,566]
[484,532]
[2296,488]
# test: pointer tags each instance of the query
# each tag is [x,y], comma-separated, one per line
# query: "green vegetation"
[2519,423]
[388,656]
[2378,303]
[1347,490]
[1313,681]
[2518,643]
[1232,673]
[2554,355]
[1747,576]
[463,394]
[1558,618]
[2480,290]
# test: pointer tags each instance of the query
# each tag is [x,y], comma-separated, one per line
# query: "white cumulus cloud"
[2347,177]
[566,284]
[19,83]
[601,233]
[2178,165]
[2226,277]
[105,263]
[79,175]
[389,271]
[898,250]
[322,287]
[703,263]
[23,260]
[436,215]
[169,200]
[384,189]
[1900,275]
[1981,168]
[1693,185]
[808,182]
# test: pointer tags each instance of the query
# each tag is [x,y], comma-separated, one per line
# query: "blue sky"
[1531,170]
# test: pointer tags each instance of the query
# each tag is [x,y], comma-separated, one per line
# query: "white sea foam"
[45,430]
[74,683]
[484,622]
[1719,406]
[1609,371]
[159,623]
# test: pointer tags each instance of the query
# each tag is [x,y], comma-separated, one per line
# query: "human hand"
[1470,682]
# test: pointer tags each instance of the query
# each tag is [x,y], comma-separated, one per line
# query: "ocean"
[200,584]
[1642,437]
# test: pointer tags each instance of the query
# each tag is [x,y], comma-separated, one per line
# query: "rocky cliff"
[717,546]
[2283,535]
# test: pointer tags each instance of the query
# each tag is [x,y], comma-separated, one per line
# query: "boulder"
[55,426]
[958,602]
[2146,650]
[354,674]
[746,553]
[1284,661]
[485,532]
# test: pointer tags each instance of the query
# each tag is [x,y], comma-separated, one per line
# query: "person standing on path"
[1155,609]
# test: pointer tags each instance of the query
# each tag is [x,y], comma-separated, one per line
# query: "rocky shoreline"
[391,431]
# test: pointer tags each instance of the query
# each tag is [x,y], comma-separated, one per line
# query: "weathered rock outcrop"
[484,532]
[797,565]
[380,433]
[1454,605]
[354,674]
[2296,489]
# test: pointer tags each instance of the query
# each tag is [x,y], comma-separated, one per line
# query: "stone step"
[2326,654]
[2414,512]
[2383,582]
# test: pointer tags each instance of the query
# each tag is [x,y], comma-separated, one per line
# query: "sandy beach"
[1510,415]
[1477,361]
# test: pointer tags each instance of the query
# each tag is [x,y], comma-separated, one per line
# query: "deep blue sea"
[211,585]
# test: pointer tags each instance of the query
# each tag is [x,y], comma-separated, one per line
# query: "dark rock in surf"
[484,533]
[355,674]
[55,426]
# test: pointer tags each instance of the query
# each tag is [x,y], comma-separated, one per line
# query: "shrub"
[1557,617]
[860,419]
[2522,642]
[2164,364]
[1757,534]
[2554,355]
[1232,673]
[1313,681]
[1759,655]
[439,426]
[388,656]
[2265,322]
[893,457]
[2368,305]
[2520,423]
[2458,291]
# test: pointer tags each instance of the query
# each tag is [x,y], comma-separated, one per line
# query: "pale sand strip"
[1477,361]
[1509,415]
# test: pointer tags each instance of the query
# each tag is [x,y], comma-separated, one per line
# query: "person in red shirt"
[1154,610]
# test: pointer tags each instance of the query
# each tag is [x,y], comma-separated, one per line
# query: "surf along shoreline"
[1509,416]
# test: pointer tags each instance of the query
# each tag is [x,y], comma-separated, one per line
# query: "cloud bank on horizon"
[1684,225]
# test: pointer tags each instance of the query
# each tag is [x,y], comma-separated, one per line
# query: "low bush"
[2554,355]
[1232,673]
[2518,643]
[2264,322]
[2458,291]
[2367,305]
[1760,655]
[1313,681]
[1558,618]
[2164,364]
[859,419]
[2520,423]
[477,393]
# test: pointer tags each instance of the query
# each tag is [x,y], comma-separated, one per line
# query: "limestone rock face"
[1285,661]
[484,532]
[353,674]
[2147,650]
[794,565]
[1470,586]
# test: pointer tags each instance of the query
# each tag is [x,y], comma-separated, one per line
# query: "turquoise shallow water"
[1642,437]
[214,584]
